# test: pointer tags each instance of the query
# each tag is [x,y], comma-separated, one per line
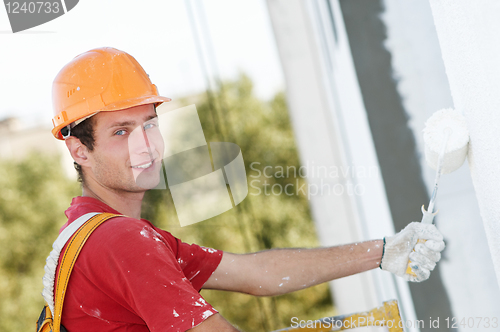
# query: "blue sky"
[156,32]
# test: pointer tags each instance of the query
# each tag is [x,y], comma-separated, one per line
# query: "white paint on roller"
[436,128]
[468,33]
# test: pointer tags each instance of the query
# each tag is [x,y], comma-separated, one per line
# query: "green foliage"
[261,221]
[34,195]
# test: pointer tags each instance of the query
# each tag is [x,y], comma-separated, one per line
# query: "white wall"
[326,114]
[468,34]
[466,268]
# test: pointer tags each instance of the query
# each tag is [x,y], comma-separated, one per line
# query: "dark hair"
[84,131]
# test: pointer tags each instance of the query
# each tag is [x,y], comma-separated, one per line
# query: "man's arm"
[280,271]
[214,323]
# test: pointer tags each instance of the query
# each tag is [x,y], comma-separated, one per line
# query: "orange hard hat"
[102,79]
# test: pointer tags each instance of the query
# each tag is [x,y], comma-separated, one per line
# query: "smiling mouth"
[144,166]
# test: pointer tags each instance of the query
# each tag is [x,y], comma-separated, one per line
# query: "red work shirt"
[132,276]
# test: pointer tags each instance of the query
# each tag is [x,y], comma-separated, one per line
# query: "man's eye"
[120,132]
[149,125]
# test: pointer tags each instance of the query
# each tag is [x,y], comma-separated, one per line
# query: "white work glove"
[398,250]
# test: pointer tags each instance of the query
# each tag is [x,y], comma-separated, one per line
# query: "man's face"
[128,149]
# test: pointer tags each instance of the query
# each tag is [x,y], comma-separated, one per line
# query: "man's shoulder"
[127,231]
[121,226]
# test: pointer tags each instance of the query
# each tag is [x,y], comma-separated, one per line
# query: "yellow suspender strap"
[68,260]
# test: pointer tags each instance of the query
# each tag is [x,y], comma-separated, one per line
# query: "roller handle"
[427,218]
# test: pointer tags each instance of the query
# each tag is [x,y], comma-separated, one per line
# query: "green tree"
[34,195]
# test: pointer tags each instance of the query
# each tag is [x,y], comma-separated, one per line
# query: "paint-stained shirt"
[132,276]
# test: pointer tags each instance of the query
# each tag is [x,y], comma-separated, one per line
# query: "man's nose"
[140,143]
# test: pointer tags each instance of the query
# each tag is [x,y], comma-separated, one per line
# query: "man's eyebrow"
[151,117]
[131,123]
[123,124]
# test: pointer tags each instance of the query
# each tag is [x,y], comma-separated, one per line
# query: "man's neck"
[127,203]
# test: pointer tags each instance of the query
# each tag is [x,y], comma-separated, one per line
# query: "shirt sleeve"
[144,275]
[197,262]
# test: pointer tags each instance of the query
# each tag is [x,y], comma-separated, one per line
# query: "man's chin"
[147,184]
[150,179]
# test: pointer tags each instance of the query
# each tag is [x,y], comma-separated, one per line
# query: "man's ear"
[79,152]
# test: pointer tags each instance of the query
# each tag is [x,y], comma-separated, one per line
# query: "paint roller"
[446,140]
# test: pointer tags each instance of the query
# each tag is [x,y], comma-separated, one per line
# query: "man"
[132,276]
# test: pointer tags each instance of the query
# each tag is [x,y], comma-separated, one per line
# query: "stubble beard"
[115,177]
